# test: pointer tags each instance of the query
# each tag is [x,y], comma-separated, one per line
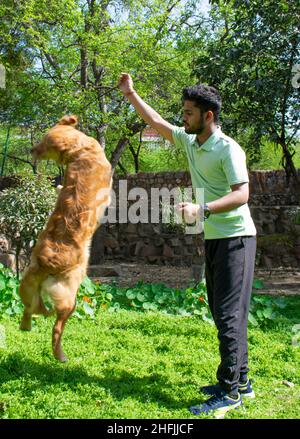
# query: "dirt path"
[282,281]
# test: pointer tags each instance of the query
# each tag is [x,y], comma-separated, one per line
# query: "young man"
[217,164]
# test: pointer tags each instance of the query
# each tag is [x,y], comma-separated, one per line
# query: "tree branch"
[20,160]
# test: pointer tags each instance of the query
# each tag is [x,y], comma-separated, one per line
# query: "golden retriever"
[59,259]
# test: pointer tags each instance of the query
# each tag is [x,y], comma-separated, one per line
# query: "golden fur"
[59,260]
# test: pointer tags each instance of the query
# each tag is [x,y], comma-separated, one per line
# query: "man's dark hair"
[207,98]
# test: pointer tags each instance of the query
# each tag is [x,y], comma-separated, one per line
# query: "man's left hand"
[191,211]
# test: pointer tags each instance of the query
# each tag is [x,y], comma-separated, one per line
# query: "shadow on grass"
[152,388]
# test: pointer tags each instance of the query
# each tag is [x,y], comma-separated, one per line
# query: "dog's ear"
[68,120]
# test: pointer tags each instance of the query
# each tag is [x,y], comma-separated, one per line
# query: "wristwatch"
[206,212]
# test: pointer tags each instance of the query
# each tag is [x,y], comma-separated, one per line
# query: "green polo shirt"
[216,165]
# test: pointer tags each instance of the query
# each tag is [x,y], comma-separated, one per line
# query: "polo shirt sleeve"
[179,137]
[233,162]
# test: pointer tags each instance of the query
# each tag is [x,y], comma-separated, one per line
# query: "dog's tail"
[68,120]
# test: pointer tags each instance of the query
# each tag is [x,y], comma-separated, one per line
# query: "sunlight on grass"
[140,365]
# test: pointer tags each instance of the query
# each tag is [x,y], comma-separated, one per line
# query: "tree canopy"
[66,56]
[251,59]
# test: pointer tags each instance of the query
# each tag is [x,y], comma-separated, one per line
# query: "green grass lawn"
[129,364]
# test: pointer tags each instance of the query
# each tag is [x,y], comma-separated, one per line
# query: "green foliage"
[10,303]
[90,299]
[192,301]
[21,140]
[66,56]
[133,365]
[93,297]
[155,157]
[173,221]
[24,210]
[69,55]
[269,157]
[142,297]
[264,309]
[250,58]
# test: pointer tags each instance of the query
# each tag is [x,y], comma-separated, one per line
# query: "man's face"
[193,118]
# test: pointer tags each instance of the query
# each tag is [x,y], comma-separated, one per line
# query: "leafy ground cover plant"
[263,308]
[191,301]
[10,303]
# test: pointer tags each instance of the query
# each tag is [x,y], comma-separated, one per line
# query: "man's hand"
[148,114]
[125,84]
[191,211]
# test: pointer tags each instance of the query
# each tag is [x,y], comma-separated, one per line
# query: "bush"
[24,211]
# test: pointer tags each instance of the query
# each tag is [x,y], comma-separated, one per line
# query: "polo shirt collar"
[209,143]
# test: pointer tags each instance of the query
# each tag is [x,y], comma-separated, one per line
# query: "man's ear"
[210,115]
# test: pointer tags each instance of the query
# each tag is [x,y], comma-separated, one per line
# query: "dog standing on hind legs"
[59,259]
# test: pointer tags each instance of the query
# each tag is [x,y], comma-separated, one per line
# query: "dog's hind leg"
[58,328]
[30,296]
[62,290]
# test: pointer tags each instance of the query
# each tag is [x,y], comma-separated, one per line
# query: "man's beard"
[198,130]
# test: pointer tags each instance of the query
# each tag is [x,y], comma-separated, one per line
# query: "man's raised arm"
[150,116]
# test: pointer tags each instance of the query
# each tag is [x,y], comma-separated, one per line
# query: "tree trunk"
[136,154]
[116,154]
[83,67]
[101,127]
[18,249]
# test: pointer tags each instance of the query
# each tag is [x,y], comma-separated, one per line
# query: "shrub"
[24,210]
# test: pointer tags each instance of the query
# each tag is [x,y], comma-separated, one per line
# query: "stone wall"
[271,201]
[156,243]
